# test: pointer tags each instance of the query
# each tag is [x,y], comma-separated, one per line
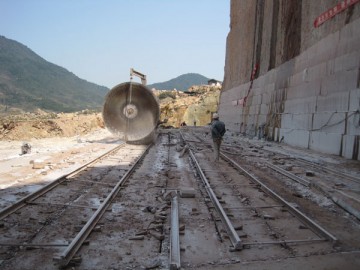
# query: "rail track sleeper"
[32,245]
[93,182]
[254,207]
[311,223]
[283,242]
[233,236]
[74,246]
[63,204]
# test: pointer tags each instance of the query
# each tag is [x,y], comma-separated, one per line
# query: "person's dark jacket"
[217,129]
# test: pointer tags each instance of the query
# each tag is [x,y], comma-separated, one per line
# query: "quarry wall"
[305,89]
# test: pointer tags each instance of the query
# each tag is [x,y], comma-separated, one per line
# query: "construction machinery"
[131,111]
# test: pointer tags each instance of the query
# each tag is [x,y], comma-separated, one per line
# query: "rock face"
[305,88]
[194,107]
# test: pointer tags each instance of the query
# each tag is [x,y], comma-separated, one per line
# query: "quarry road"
[179,209]
[64,212]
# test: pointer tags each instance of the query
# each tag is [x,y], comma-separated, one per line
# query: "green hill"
[183,82]
[27,81]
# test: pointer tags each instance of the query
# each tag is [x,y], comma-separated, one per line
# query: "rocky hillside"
[28,82]
[194,107]
[40,124]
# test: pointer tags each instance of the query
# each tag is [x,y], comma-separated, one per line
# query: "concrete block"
[325,142]
[330,122]
[259,82]
[265,98]
[302,61]
[230,94]
[295,137]
[270,87]
[254,109]
[326,49]
[303,90]
[253,100]
[264,109]
[341,81]
[348,46]
[354,104]
[270,77]
[262,119]
[296,79]
[349,150]
[276,135]
[347,62]
[330,68]
[355,25]
[335,102]
[255,91]
[279,95]
[353,123]
[301,105]
[296,121]
[284,72]
[316,72]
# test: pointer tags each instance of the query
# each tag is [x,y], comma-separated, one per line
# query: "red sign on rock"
[333,11]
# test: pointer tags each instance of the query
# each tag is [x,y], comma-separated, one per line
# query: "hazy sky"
[100,41]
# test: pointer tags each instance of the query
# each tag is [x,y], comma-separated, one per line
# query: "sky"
[100,41]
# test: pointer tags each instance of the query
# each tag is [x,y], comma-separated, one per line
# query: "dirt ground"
[68,141]
[59,144]
[40,125]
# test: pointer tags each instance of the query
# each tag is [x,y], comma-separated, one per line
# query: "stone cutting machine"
[131,111]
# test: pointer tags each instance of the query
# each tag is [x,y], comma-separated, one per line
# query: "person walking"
[217,133]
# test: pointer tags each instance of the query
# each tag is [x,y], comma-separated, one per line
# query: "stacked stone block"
[311,101]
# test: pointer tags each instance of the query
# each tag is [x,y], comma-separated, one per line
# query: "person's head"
[215,116]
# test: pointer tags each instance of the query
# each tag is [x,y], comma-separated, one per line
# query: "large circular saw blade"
[131,111]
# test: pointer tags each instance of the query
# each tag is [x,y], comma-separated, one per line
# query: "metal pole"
[174,237]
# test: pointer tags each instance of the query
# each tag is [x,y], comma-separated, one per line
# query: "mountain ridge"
[27,81]
[181,83]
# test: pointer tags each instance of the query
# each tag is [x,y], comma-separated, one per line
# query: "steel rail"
[33,196]
[311,223]
[77,242]
[340,174]
[289,175]
[317,165]
[284,242]
[234,237]
[174,238]
[33,245]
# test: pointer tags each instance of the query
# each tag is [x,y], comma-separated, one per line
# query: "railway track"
[335,183]
[248,213]
[52,223]
[175,209]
